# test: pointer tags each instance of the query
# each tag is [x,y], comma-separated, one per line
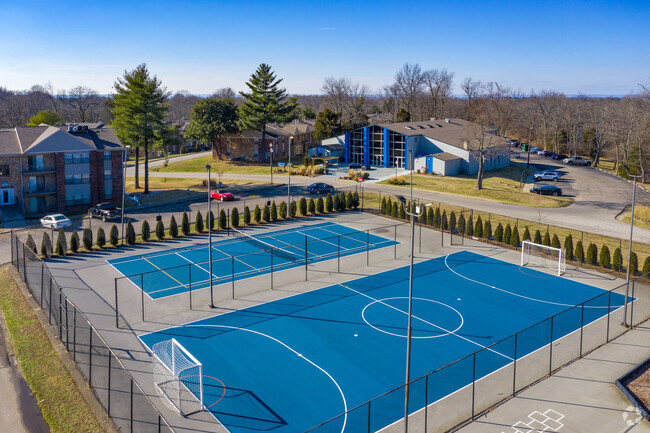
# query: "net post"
[306,258]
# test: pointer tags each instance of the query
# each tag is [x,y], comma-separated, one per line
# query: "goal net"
[538,255]
[178,376]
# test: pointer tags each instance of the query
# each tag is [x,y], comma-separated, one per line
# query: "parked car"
[547,175]
[354,165]
[515,155]
[55,221]
[105,211]
[547,190]
[559,157]
[577,160]
[546,153]
[320,188]
[222,195]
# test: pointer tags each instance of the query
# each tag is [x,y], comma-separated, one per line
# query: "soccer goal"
[178,376]
[538,255]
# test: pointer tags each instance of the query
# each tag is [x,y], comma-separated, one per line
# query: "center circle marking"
[445,333]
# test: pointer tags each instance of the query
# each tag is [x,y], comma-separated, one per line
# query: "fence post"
[632,306]
[67,327]
[117,309]
[189,271]
[24,266]
[514,368]
[395,242]
[108,404]
[271,268]
[369,416]
[131,406]
[49,312]
[232,275]
[609,303]
[338,254]
[473,383]
[90,354]
[420,240]
[550,345]
[306,258]
[142,294]
[74,335]
[582,325]
[42,282]
[368,247]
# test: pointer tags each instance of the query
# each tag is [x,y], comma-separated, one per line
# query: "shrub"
[514,237]
[605,259]
[273,216]
[282,211]
[30,243]
[394,210]
[634,263]
[61,244]
[185,224]
[183,149]
[101,237]
[436,218]
[507,232]
[526,234]
[349,202]
[320,205]
[547,239]
[292,209]
[336,204]
[555,242]
[487,229]
[130,233]
[173,228]
[568,247]
[302,206]
[342,203]
[247,215]
[210,220]
[113,236]
[538,237]
[365,175]
[160,230]
[234,217]
[444,225]
[646,265]
[498,233]
[617,261]
[383,206]
[430,216]
[74,242]
[266,213]
[478,228]
[355,200]
[461,224]
[579,252]
[223,220]
[257,214]
[352,174]
[146,231]
[46,246]
[311,206]
[402,212]
[470,226]
[329,204]
[198,222]
[88,239]
[452,222]
[592,254]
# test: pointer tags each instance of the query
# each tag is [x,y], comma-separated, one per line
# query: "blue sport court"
[291,364]
[177,270]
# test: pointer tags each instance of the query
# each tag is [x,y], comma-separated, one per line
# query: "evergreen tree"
[478,228]
[173,228]
[139,108]
[443,221]
[198,222]
[336,205]
[538,237]
[101,238]
[555,242]
[274,212]
[605,259]
[355,200]
[247,216]
[349,202]
[282,211]
[311,206]
[146,231]
[185,224]
[646,266]
[329,204]
[547,239]
[320,206]
[568,247]
[452,222]
[514,237]
[470,226]
[223,220]
[211,119]
[160,230]
[328,124]
[461,224]
[61,244]
[114,236]
[634,263]
[210,220]
[266,213]
[302,206]
[88,239]
[436,218]
[579,252]
[257,214]
[234,217]
[395,210]
[343,203]
[592,254]
[46,246]
[266,103]
[498,233]
[507,232]
[402,211]
[31,244]
[130,233]
[526,234]
[617,261]
[383,206]
[74,242]
[292,209]
[430,213]
[487,229]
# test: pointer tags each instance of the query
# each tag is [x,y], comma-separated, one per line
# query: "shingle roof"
[445,156]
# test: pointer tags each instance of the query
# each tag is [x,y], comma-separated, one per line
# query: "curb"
[620,382]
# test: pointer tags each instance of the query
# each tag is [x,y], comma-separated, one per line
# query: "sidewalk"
[581,397]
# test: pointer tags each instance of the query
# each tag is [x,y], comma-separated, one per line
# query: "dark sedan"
[320,188]
[105,211]
[547,190]
[558,157]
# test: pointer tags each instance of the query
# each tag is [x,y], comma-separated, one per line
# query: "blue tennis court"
[291,364]
[178,270]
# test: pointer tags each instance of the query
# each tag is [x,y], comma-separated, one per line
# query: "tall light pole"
[289,183]
[418,211]
[629,247]
[210,221]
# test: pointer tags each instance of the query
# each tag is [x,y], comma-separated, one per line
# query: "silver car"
[577,160]
[55,221]
[547,175]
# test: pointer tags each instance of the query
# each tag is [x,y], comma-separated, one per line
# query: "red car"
[222,195]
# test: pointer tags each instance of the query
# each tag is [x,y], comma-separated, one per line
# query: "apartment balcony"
[32,170]
[46,190]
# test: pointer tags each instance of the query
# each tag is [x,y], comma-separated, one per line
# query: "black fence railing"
[125,402]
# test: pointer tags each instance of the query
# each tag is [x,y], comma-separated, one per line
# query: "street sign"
[360,179]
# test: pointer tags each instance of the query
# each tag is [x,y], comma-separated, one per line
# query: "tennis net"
[264,246]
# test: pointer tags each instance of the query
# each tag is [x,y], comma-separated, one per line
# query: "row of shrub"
[267,214]
[510,235]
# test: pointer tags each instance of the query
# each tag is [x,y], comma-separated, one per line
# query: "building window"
[4,170]
[377,146]
[396,144]
[108,175]
[108,190]
[77,199]
[107,155]
[356,146]
[77,178]
[76,158]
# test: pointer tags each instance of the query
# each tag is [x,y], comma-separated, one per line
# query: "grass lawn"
[63,406]
[501,185]
[641,216]
[197,165]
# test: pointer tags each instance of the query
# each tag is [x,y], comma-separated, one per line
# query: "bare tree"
[499,99]
[225,93]
[84,102]
[472,89]
[336,92]
[439,84]
[349,99]
[481,142]
[407,88]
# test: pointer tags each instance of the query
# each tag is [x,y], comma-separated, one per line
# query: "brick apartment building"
[46,169]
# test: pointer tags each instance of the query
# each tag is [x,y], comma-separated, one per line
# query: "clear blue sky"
[590,47]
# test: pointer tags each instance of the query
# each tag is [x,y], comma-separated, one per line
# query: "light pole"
[629,247]
[418,211]
[210,221]
[289,183]
[124,156]
[271,159]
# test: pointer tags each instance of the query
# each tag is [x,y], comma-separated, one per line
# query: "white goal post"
[538,255]
[178,376]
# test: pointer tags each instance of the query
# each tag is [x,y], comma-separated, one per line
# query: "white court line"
[344,235]
[428,323]
[322,240]
[300,355]
[522,296]
[292,246]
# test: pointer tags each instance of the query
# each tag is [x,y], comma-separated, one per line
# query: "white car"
[547,175]
[55,221]
[577,160]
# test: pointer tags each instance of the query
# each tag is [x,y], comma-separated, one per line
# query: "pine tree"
[349,201]
[538,237]
[646,266]
[461,224]
[223,220]
[470,226]
[617,261]
[547,239]
[302,206]
[320,206]
[160,230]
[146,231]
[555,242]
[173,228]
[568,247]
[336,205]
[61,244]
[265,104]
[198,222]
[478,228]
[605,259]
[328,124]
[579,252]
[395,210]
[514,237]
[46,246]
[113,236]
[88,239]
[487,229]
[592,254]
[234,217]
[185,224]
[257,214]
[430,216]
[74,242]
[247,216]
[211,219]
[311,206]
[293,208]
[383,206]
[444,225]
[526,236]
[634,263]
[283,210]
[343,203]
[274,212]
[498,233]
[130,233]
[355,200]
[507,232]
[402,211]
[31,244]
[329,204]
[452,222]
[266,213]
[101,238]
